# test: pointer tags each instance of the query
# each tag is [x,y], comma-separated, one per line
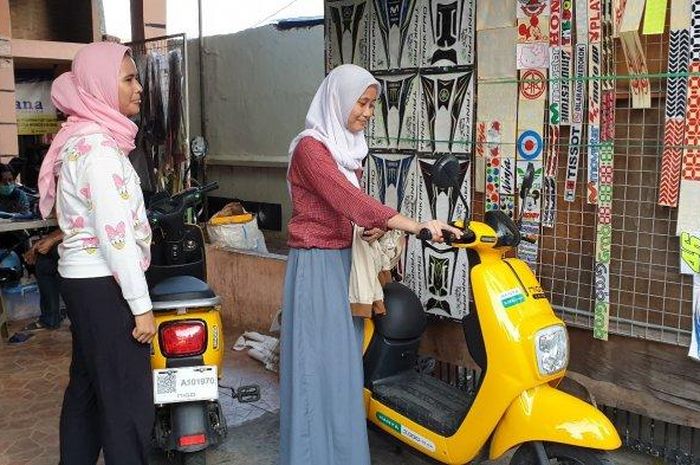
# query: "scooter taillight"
[183,338]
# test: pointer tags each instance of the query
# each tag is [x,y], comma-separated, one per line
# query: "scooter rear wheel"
[563,454]
[194,458]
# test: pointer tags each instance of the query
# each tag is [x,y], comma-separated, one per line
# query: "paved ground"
[33,376]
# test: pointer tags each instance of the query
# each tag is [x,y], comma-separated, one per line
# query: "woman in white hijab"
[322,415]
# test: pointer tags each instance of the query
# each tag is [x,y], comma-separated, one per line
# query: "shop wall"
[259,84]
[66,21]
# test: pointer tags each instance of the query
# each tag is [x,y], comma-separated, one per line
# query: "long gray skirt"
[322,416]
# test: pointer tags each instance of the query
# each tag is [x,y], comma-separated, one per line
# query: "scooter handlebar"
[468,236]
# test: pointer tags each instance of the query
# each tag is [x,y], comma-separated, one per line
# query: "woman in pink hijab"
[88,180]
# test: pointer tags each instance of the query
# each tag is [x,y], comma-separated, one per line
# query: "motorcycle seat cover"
[181,288]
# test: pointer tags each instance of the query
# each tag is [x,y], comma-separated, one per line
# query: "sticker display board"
[422,53]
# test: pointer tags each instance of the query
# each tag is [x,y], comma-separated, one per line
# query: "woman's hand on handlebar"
[436,228]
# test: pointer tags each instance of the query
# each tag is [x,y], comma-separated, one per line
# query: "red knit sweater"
[325,203]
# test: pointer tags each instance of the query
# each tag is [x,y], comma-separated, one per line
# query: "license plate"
[186,384]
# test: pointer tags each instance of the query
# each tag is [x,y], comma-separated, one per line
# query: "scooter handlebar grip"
[424,235]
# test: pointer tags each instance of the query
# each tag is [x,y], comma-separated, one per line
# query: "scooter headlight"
[552,347]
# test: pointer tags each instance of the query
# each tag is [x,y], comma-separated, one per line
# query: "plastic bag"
[234,227]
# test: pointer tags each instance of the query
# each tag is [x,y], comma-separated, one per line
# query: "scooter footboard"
[547,414]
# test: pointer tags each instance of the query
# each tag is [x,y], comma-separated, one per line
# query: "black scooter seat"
[179,288]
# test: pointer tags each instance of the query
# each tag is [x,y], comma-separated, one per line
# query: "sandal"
[35,326]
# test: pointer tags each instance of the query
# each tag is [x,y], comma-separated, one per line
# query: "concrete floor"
[33,376]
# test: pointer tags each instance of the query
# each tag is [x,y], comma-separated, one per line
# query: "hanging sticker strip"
[689,197]
[640,88]
[607,117]
[493,166]
[564,41]
[676,91]
[594,98]
[654,17]
[605,185]
[575,144]
[533,59]
[618,11]
[556,29]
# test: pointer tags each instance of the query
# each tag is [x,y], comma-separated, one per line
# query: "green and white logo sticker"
[512,297]
[406,432]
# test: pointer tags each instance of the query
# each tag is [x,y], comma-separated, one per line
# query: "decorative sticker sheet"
[447,32]
[395,122]
[447,103]
[394,35]
[346,32]
[438,273]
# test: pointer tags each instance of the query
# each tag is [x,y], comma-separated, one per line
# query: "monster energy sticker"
[346,39]
[436,272]
[396,117]
[446,112]
[393,180]
[575,139]
[406,432]
[394,35]
[447,32]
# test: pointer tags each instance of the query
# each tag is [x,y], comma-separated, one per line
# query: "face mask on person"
[6,189]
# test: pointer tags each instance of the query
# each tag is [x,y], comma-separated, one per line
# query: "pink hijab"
[89,96]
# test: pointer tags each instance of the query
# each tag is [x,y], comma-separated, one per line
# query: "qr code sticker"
[166,383]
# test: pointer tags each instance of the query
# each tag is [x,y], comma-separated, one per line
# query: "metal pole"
[202,104]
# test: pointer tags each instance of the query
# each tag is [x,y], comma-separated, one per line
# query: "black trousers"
[48,279]
[108,403]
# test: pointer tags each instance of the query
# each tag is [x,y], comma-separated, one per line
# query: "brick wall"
[58,20]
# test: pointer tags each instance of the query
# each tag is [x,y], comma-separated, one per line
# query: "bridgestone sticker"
[406,432]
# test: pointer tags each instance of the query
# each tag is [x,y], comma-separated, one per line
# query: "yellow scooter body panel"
[214,353]
[512,309]
[547,414]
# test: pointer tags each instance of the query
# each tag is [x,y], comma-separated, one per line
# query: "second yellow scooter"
[521,346]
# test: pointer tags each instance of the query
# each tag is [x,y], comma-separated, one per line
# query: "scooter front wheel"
[561,454]
[194,458]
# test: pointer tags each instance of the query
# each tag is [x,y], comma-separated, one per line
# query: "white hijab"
[328,115]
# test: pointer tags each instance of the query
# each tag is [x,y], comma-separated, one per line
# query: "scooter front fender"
[547,414]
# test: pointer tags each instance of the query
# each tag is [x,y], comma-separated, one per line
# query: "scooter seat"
[185,291]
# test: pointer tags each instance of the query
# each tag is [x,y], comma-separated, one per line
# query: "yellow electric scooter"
[187,353]
[520,345]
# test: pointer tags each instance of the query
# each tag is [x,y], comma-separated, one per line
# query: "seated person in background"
[14,203]
[44,256]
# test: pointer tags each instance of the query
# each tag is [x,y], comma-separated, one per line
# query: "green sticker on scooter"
[406,432]
[396,426]
[511,298]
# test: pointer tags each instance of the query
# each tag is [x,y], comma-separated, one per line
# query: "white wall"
[258,86]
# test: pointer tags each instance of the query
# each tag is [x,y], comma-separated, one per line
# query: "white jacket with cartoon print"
[100,209]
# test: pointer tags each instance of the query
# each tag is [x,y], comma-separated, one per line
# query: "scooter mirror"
[445,172]
[199,147]
[527,181]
